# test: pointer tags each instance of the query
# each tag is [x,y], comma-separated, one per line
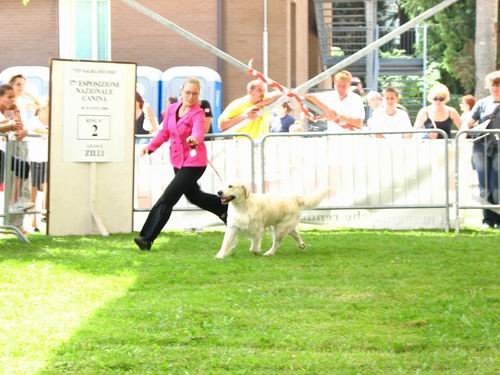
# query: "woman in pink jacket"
[184,126]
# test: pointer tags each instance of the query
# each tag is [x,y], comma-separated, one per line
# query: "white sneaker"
[21,207]
[479,199]
[483,201]
[485,226]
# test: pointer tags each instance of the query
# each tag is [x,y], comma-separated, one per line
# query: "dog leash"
[215,170]
[192,152]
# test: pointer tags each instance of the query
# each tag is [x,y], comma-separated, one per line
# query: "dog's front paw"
[220,255]
[302,245]
[255,252]
[269,253]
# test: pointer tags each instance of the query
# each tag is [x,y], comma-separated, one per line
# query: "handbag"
[486,123]
[428,135]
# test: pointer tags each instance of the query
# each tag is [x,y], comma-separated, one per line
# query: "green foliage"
[451,39]
[336,52]
[356,302]
[395,53]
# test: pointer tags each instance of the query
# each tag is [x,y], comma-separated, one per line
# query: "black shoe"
[143,244]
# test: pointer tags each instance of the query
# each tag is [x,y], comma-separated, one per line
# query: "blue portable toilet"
[37,78]
[211,86]
[149,86]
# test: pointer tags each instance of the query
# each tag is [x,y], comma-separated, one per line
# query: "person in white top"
[26,102]
[38,130]
[389,117]
[18,164]
[343,109]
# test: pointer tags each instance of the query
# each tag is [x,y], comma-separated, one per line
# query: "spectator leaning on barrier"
[26,102]
[19,201]
[343,108]
[38,129]
[25,107]
[6,103]
[389,117]
[438,115]
[243,115]
[6,125]
[486,114]
[184,126]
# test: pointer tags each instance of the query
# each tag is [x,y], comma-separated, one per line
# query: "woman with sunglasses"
[438,115]
[184,126]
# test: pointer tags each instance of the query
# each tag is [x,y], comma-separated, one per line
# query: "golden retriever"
[250,214]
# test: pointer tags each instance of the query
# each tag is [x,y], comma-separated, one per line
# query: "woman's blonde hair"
[439,90]
[343,75]
[193,81]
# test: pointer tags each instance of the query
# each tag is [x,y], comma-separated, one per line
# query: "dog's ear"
[247,191]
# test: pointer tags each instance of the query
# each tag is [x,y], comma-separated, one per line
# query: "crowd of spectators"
[348,107]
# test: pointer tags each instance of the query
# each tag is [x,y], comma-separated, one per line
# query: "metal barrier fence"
[486,160]
[363,172]
[23,173]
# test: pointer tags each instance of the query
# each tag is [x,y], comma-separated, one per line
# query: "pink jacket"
[191,124]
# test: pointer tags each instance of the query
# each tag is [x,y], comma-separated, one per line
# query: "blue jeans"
[486,163]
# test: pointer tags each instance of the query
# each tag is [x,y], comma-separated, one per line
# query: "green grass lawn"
[356,302]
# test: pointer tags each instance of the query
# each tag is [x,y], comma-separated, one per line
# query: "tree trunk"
[485,49]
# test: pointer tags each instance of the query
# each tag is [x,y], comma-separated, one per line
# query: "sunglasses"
[192,93]
[438,98]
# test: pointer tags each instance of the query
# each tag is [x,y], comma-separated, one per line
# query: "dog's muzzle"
[225,199]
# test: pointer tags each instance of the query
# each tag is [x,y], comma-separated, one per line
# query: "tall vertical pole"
[265,43]
[424,67]
[371,24]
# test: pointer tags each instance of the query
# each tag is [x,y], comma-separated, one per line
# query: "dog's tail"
[313,199]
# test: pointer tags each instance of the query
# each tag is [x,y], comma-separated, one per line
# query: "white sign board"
[93,95]
[92,107]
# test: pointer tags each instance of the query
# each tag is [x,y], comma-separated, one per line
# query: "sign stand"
[93,197]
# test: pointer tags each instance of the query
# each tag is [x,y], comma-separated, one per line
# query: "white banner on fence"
[360,171]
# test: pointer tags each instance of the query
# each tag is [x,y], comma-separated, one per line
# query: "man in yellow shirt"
[243,115]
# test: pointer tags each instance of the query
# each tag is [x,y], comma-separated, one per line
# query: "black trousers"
[184,182]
